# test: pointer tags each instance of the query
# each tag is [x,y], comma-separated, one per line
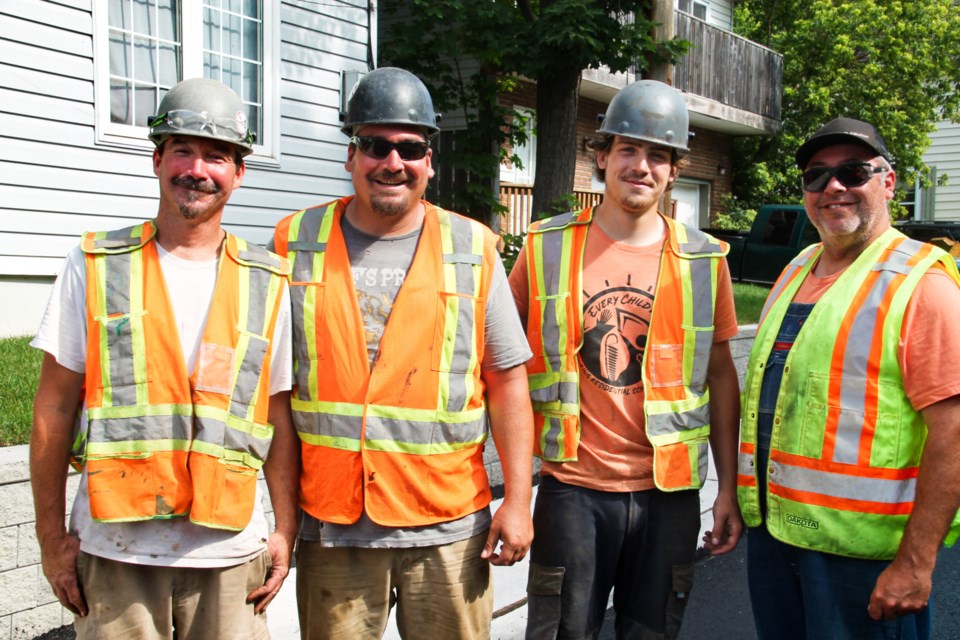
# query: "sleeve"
[505,344]
[63,329]
[725,313]
[281,361]
[929,341]
[519,285]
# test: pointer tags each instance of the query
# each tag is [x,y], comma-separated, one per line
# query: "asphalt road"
[719,607]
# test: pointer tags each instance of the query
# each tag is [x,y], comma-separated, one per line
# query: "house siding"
[56,181]
[944,154]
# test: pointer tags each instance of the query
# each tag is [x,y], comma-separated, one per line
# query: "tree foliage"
[895,64]
[469,51]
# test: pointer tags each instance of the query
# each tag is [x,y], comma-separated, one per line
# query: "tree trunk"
[557,99]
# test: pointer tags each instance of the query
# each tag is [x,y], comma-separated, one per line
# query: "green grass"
[19,372]
[749,299]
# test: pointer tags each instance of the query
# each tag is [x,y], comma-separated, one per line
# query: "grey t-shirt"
[379,267]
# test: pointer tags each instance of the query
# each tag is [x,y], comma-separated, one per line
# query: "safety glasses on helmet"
[380,148]
[849,174]
[198,122]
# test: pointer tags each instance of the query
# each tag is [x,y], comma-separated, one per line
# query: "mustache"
[391,176]
[206,186]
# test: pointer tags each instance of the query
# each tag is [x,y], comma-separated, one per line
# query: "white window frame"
[527,152]
[267,146]
[694,5]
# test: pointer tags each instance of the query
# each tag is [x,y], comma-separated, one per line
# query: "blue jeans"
[798,594]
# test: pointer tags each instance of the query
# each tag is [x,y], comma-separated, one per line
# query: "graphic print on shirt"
[377,289]
[615,324]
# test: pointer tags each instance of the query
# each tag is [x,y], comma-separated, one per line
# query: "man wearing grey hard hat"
[171,339]
[408,348]
[849,478]
[629,314]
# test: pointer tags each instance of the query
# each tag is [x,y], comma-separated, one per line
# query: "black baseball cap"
[842,131]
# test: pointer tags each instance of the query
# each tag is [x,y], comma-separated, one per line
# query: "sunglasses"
[379,148]
[850,174]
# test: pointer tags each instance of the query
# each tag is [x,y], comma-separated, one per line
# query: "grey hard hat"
[390,96]
[206,108]
[651,111]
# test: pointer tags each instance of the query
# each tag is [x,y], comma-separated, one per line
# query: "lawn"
[19,371]
[749,299]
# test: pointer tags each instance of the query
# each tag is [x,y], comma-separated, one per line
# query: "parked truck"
[780,231]
[778,234]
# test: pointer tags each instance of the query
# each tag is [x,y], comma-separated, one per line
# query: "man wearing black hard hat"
[406,341]
[173,335]
[848,475]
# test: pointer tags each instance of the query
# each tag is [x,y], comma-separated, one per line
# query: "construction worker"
[629,314]
[174,337]
[849,478]
[406,342]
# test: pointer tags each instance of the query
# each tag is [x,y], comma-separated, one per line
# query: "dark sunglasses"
[379,149]
[850,174]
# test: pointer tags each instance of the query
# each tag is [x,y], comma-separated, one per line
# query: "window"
[527,152]
[144,47]
[694,8]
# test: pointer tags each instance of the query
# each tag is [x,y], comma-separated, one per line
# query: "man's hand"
[58,557]
[727,525]
[280,548]
[900,590]
[513,526]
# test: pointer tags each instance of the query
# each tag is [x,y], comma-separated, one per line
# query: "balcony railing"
[518,199]
[729,69]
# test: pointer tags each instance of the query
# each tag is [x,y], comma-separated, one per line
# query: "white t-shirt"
[175,542]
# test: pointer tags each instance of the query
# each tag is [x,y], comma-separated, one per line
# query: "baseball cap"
[841,131]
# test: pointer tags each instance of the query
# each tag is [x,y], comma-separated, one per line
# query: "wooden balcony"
[518,198]
[728,69]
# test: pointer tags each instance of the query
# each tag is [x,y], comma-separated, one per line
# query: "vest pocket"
[117,329]
[138,485]
[666,365]
[224,492]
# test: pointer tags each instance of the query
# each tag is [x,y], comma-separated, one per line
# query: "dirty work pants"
[441,591]
[138,602]
[639,544]
[798,594]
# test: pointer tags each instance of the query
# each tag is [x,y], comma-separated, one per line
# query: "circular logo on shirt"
[615,324]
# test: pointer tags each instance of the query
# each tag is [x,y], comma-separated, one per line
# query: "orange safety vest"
[403,439]
[161,442]
[680,338]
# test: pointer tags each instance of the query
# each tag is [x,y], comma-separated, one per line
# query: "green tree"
[469,51]
[895,64]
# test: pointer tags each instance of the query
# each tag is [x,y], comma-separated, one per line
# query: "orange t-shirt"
[619,283]
[929,352]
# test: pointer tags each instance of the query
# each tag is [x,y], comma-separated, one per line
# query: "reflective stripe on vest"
[357,423]
[141,402]
[846,441]
[677,413]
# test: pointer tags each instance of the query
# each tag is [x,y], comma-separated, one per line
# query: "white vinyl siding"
[58,180]
[944,154]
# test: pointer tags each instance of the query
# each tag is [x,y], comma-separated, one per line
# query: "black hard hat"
[390,96]
[842,131]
